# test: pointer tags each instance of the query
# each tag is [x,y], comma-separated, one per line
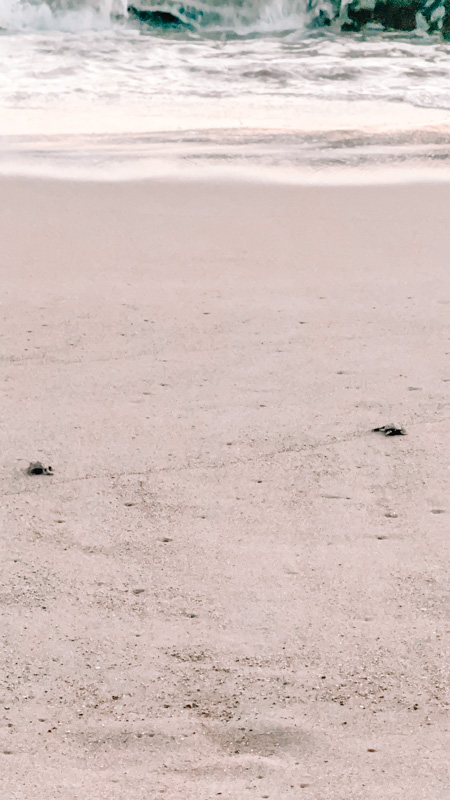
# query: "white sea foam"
[56,15]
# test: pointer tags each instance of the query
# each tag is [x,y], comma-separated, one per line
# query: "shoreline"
[309,142]
[178,173]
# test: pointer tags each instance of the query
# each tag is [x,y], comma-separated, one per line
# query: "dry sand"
[230,587]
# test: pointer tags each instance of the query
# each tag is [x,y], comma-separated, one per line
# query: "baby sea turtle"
[36,468]
[390,430]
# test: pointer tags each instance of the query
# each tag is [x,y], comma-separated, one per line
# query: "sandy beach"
[230,586]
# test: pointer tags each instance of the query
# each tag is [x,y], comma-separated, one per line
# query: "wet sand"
[229,586]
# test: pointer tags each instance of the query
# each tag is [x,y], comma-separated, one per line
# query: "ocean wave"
[229,17]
